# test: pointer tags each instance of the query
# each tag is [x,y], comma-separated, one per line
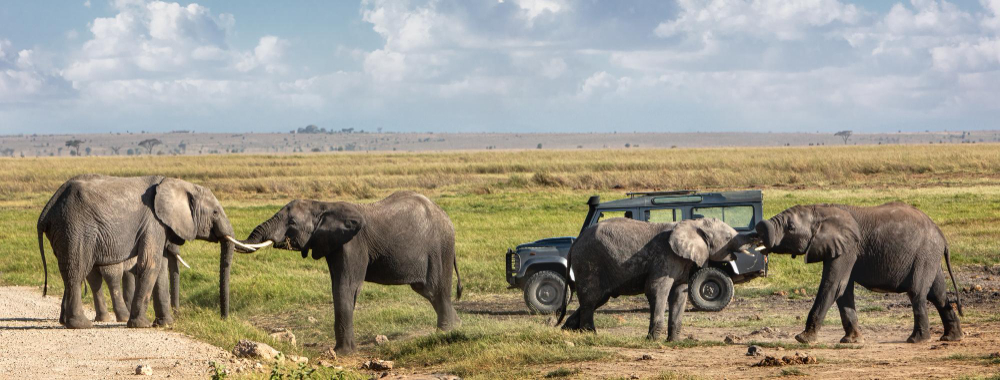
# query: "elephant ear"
[835,233]
[689,241]
[172,206]
[335,228]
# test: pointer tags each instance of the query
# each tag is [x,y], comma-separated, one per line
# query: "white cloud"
[782,19]
[86,3]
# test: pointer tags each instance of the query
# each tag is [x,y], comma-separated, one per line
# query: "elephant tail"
[567,290]
[458,295]
[45,267]
[958,296]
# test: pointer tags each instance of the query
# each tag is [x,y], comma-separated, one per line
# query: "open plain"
[497,199]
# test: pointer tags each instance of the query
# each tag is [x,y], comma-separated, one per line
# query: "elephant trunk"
[768,234]
[263,234]
[225,261]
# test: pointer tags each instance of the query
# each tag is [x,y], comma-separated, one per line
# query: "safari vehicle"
[538,267]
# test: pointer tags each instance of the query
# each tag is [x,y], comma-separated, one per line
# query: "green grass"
[497,200]
[791,371]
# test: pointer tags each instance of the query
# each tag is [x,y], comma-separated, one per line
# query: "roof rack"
[671,192]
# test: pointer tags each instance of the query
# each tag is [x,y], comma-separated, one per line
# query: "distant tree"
[539,145]
[87,150]
[149,144]
[183,146]
[844,135]
[130,152]
[75,144]
[115,149]
[627,145]
[10,152]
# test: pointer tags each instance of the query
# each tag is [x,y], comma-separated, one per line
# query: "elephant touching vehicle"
[404,239]
[892,248]
[96,220]
[626,257]
[121,285]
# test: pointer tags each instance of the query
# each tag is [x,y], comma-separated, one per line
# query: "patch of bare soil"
[33,345]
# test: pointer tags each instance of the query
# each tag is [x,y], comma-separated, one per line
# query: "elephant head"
[704,239]
[820,232]
[192,212]
[303,225]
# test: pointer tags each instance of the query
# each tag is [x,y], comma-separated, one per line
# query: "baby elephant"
[892,248]
[626,257]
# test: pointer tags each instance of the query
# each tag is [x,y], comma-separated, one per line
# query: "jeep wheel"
[710,289]
[543,293]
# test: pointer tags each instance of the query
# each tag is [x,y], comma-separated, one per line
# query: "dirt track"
[33,345]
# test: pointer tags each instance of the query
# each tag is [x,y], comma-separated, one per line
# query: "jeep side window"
[605,215]
[663,215]
[739,217]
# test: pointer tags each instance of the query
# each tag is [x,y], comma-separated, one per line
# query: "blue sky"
[500,66]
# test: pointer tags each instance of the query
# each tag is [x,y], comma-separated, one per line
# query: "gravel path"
[33,345]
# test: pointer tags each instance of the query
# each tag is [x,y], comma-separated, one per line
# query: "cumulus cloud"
[782,19]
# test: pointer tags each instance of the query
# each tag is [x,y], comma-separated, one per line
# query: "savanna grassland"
[498,199]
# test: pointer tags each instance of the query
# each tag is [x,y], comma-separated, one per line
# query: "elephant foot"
[106,317]
[852,337]
[78,323]
[806,337]
[139,323]
[163,322]
[954,335]
[122,318]
[452,324]
[344,350]
[918,337]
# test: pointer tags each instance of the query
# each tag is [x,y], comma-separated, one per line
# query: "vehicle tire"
[543,292]
[710,289]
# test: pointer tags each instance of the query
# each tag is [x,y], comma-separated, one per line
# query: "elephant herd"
[127,232]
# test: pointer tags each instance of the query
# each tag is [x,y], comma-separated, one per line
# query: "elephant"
[891,248]
[121,285]
[403,239]
[96,220]
[624,256]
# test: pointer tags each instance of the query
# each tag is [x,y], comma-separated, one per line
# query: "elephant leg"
[849,315]
[63,308]
[128,287]
[657,293]
[146,272]
[447,319]
[836,276]
[939,298]
[678,300]
[345,298]
[112,275]
[573,322]
[161,297]
[73,281]
[587,312]
[100,306]
[921,328]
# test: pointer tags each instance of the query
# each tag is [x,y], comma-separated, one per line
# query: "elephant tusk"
[241,245]
[182,261]
[260,245]
[761,248]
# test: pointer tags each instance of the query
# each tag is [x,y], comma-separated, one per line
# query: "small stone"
[570,344]
[633,376]
[298,359]
[330,353]
[284,336]
[733,339]
[755,317]
[255,350]
[781,293]
[754,351]
[978,288]
[377,365]
[311,320]
[646,357]
[325,363]
[144,370]
[381,339]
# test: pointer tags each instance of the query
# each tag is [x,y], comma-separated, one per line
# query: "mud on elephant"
[404,239]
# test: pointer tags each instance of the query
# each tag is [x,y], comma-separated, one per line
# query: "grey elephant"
[404,239]
[95,221]
[892,248]
[626,257]
[121,285]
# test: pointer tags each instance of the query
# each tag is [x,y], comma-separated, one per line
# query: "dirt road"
[33,345]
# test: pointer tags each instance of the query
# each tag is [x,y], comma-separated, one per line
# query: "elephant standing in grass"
[97,221]
[625,257]
[404,239]
[121,285]
[892,248]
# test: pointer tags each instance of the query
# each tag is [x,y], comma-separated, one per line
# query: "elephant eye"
[791,227]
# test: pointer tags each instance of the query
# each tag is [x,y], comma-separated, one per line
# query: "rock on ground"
[255,350]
